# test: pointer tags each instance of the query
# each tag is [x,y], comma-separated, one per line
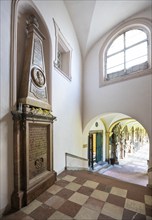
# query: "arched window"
[126,53]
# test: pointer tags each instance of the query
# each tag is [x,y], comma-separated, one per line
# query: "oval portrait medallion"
[38,77]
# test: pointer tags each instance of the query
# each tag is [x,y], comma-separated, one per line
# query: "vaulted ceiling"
[93,18]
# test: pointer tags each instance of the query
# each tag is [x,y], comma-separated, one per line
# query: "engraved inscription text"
[38,145]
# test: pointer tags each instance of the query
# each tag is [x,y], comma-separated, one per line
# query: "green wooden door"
[99,147]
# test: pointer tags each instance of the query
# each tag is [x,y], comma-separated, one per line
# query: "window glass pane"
[115,60]
[134,36]
[135,57]
[137,51]
[117,45]
[136,61]
[115,69]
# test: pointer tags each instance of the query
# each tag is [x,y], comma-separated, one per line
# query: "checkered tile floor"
[85,195]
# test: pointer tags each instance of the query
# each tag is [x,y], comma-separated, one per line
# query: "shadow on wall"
[7,155]
[19,10]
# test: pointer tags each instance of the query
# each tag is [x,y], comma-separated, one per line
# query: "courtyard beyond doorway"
[131,169]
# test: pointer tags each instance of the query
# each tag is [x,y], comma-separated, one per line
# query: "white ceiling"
[93,18]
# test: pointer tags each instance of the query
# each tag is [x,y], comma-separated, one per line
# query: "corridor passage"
[133,168]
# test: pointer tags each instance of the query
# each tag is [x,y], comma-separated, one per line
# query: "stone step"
[100,166]
[104,169]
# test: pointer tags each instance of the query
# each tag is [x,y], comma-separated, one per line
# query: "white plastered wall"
[6,148]
[65,95]
[131,97]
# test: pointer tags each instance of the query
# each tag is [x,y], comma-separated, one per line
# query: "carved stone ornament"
[33,90]
[33,154]
[33,125]
[32,21]
[38,77]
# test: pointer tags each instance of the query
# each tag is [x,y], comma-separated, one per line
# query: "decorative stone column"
[150,164]
[149,177]
[107,145]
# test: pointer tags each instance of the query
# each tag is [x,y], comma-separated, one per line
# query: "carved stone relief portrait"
[38,77]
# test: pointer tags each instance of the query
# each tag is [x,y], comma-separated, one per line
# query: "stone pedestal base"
[17,200]
[23,198]
[39,188]
[33,156]
[149,177]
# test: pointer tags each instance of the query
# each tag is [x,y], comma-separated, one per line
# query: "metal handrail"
[74,156]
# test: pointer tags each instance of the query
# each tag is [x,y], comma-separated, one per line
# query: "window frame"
[141,24]
[64,68]
[124,51]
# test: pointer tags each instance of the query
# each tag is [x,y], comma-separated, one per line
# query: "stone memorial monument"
[33,125]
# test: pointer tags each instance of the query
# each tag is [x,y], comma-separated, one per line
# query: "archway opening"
[124,147]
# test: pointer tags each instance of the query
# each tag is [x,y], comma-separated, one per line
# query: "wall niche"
[31,104]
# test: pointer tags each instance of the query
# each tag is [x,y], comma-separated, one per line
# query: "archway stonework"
[116,118]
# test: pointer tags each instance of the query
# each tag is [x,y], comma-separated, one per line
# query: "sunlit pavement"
[133,168]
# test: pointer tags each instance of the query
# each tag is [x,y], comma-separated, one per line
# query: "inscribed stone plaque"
[38,149]
[38,55]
